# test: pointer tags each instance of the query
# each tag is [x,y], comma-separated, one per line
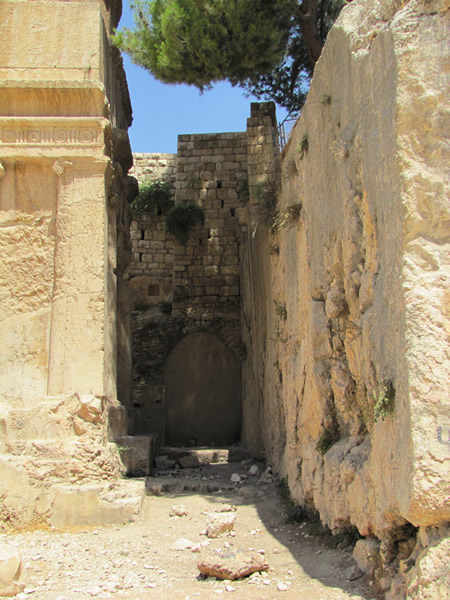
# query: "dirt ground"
[138,561]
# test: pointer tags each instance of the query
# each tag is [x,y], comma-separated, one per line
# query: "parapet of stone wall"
[211,172]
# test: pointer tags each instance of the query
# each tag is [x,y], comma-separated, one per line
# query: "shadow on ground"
[294,550]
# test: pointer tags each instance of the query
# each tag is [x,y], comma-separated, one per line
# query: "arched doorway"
[203,393]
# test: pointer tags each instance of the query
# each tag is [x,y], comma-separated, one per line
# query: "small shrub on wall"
[154,198]
[182,218]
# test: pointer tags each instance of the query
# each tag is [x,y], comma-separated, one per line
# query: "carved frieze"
[53,136]
[83,136]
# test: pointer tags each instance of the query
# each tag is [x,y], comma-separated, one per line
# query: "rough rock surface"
[231,564]
[347,307]
[354,388]
[58,468]
[218,524]
[427,570]
[138,560]
[10,571]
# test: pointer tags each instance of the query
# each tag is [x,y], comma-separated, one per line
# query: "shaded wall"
[203,393]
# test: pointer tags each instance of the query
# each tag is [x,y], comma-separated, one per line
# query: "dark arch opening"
[203,393]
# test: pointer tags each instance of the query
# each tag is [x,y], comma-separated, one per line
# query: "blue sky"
[161,111]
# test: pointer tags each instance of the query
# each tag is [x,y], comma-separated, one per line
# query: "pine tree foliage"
[269,47]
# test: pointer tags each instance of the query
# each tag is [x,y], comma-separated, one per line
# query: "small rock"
[231,564]
[226,508]
[163,462]
[266,477]
[183,544]
[219,523]
[230,588]
[178,510]
[366,554]
[10,571]
[253,471]
[235,478]
[189,462]
[354,573]
[282,587]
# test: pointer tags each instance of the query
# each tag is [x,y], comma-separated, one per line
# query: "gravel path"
[139,560]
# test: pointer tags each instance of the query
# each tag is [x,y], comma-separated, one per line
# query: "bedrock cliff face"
[350,333]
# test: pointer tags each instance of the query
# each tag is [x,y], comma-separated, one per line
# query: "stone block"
[96,504]
[10,571]
[137,453]
[366,553]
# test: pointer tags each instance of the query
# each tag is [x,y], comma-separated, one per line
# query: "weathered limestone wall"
[55,149]
[353,294]
[150,273]
[64,239]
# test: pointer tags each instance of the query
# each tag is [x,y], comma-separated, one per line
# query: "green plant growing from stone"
[182,218]
[384,398]
[267,194]
[155,197]
[121,448]
[280,309]
[288,217]
[243,191]
[303,146]
[327,438]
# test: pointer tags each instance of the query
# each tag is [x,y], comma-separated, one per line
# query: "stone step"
[27,502]
[57,417]
[38,469]
[74,460]
[96,504]
[195,456]
[214,478]
[137,453]
[45,449]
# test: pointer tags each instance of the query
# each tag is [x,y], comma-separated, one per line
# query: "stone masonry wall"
[196,283]
[211,172]
[150,273]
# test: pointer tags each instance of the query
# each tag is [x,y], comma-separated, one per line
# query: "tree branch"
[307,15]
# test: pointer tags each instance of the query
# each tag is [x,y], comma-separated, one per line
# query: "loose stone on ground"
[156,556]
